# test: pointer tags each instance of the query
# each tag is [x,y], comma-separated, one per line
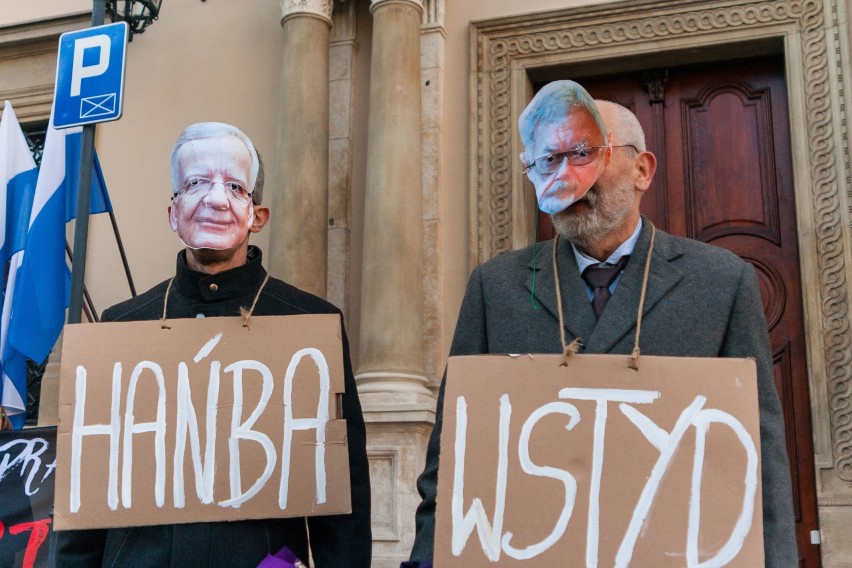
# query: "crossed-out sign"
[90,75]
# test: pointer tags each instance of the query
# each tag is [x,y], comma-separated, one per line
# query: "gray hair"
[552,104]
[625,127]
[204,130]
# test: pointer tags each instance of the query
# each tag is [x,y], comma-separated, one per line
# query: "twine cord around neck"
[245,314]
[567,349]
[163,323]
[634,356]
[570,349]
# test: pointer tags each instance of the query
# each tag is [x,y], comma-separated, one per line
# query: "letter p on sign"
[90,76]
[80,70]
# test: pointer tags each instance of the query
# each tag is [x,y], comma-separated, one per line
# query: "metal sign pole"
[84,190]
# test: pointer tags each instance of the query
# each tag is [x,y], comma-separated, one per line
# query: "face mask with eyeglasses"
[200,186]
[547,164]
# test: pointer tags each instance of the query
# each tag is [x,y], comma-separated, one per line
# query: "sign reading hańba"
[595,464]
[205,421]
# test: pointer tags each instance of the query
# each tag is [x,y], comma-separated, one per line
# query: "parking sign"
[90,75]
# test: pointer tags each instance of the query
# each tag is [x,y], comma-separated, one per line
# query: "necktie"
[599,279]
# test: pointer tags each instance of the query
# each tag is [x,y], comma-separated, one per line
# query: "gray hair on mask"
[205,130]
[552,104]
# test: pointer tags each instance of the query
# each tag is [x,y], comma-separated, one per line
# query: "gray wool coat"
[702,301]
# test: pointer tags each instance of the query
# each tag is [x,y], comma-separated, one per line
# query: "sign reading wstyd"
[205,421]
[595,464]
[90,75]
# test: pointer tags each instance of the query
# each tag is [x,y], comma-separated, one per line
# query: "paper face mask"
[569,158]
[568,150]
[211,210]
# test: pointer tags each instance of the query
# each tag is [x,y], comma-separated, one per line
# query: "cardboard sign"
[206,421]
[595,464]
[27,463]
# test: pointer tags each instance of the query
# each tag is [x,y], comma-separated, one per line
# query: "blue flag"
[17,185]
[43,280]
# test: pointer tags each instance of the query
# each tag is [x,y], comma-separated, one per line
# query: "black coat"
[335,541]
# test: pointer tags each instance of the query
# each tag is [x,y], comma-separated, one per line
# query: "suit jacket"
[335,541]
[701,301]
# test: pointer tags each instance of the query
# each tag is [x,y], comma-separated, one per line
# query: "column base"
[397,452]
[393,406]
[388,396]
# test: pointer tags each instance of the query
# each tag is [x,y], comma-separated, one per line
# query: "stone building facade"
[388,130]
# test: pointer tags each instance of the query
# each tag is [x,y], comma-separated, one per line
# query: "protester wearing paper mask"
[216,203]
[218,180]
[697,300]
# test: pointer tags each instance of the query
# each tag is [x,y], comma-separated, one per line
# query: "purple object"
[416,564]
[284,558]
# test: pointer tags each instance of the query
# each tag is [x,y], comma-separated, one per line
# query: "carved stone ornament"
[507,49]
[319,8]
[655,83]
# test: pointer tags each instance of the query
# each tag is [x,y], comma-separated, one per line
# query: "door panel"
[721,136]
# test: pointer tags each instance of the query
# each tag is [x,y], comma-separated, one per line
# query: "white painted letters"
[732,547]
[496,539]
[318,423]
[666,444]
[111,429]
[463,523]
[159,429]
[188,422]
[242,431]
[601,397]
[565,477]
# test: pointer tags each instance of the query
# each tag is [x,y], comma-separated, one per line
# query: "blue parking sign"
[90,75]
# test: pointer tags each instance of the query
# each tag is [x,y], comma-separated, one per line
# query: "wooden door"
[722,139]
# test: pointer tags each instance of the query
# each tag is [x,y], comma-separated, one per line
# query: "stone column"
[342,126]
[299,201]
[391,373]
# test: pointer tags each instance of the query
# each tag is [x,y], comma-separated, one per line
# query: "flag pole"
[89,306]
[84,190]
[122,253]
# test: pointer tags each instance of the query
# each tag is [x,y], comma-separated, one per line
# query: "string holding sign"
[569,349]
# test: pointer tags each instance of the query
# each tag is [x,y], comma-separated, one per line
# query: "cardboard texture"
[125,436]
[556,471]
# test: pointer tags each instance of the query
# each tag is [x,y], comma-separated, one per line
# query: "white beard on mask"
[554,204]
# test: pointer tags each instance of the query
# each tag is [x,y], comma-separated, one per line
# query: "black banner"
[27,461]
